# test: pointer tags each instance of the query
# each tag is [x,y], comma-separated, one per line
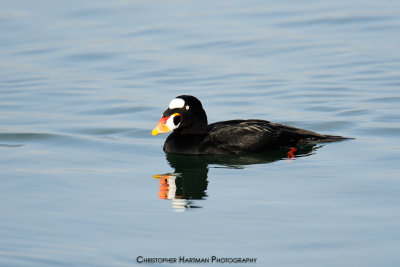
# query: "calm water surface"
[83,83]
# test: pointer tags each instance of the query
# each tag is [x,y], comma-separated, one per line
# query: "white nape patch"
[176,103]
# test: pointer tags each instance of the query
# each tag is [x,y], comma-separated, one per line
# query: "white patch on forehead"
[176,103]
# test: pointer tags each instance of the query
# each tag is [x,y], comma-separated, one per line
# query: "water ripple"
[28,136]
[9,145]
[337,20]
[116,110]
[92,56]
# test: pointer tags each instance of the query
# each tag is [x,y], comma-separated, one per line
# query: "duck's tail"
[333,138]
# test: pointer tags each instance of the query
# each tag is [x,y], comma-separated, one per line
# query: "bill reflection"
[181,193]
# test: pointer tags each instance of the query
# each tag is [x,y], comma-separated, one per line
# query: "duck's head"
[184,115]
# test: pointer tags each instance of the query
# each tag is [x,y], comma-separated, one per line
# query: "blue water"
[83,83]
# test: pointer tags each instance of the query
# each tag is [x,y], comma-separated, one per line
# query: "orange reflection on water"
[164,189]
[167,189]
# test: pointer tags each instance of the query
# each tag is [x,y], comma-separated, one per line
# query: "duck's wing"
[237,136]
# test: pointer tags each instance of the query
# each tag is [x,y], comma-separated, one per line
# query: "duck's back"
[242,136]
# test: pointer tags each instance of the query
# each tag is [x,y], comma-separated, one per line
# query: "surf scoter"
[192,134]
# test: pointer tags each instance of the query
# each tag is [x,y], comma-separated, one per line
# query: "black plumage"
[193,135]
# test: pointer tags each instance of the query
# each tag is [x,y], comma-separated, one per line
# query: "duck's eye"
[177,120]
[187,107]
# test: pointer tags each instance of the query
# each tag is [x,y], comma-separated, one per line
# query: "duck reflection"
[189,180]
